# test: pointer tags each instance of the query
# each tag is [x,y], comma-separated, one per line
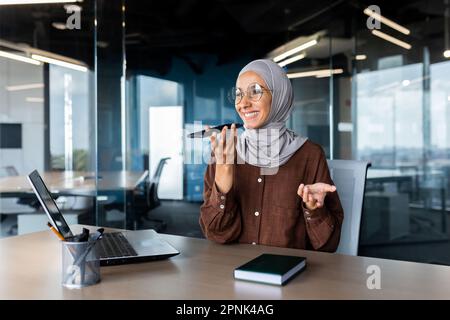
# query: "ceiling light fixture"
[360,57]
[34,99]
[295,50]
[59,25]
[24,87]
[59,63]
[315,73]
[72,7]
[17,57]
[291,60]
[391,39]
[386,21]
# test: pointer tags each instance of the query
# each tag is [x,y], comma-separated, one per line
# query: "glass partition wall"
[401,116]
[148,73]
[47,111]
[61,88]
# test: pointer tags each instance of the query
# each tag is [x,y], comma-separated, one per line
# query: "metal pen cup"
[80,264]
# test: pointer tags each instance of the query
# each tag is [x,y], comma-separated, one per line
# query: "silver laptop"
[115,247]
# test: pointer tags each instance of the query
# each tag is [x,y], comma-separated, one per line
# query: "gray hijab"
[271,145]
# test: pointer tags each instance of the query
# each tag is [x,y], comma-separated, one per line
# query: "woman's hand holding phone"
[224,149]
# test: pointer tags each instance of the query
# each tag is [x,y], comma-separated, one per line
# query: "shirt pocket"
[285,196]
[282,224]
[287,201]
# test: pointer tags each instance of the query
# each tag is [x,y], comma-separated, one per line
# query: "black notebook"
[271,268]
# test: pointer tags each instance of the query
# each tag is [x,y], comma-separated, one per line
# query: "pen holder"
[80,264]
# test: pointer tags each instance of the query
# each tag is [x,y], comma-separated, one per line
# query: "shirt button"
[253,242]
[259,179]
[256,213]
[222,197]
[222,206]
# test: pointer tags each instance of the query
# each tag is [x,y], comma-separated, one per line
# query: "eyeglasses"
[254,93]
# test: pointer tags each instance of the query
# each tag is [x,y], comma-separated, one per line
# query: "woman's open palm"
[313,195]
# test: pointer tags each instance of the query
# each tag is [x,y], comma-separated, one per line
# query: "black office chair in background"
[16,205]
[146,198]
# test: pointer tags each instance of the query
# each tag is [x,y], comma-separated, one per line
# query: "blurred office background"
[98,96]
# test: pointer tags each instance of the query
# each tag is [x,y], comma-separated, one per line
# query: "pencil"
[55,231]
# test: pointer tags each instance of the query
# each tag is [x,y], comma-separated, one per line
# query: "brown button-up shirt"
[266,209]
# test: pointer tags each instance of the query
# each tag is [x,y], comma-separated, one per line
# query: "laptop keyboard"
[115,245]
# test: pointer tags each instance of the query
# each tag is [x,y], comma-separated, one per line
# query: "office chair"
[349,177]
[16,205]
[8,171]
[147,198]
[433,187]
[31,201]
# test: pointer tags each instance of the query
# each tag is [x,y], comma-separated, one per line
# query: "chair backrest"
[349,177]
[152,189]
[8,171]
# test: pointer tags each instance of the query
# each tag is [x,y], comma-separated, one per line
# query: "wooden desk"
[30,268]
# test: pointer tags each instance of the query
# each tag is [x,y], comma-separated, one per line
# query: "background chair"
[146,198]
[432,194]
[10,206]
[8,171]
[349,177]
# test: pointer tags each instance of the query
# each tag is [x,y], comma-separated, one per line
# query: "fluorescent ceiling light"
[25,87]
[59,62]
[295,50]
[59,25]
[447,53]
[386,21]
[291,60]
[34,99]
[72,7]
[360,57]
[328,74]
[17,57]
[315,73]
[7,2]
[345,127]
[391,39]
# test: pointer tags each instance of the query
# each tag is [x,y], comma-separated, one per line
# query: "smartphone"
[205,134]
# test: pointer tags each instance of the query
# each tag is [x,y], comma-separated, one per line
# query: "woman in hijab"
[269,186]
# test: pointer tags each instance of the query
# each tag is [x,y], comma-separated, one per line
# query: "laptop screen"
[49,204]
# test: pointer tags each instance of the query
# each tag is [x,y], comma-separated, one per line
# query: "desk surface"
[30,268]
[81,181]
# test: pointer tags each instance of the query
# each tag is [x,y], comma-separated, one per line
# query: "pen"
[55,231]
